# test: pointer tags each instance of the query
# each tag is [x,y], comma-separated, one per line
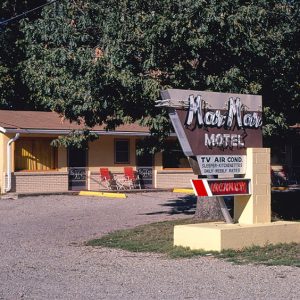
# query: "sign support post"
[225,211]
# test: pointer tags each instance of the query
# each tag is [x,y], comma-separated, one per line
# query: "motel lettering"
[223,140]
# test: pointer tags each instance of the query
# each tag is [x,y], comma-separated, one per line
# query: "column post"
[256,208]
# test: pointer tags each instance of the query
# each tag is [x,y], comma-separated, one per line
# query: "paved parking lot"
[43,255]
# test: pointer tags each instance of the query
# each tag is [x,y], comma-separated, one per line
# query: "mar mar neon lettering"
[221,187]
[216,119]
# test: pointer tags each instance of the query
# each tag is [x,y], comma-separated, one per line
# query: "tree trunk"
[208,209]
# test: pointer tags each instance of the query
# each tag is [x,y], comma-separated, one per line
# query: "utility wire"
[26,13]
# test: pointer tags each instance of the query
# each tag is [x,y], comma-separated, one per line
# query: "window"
[35,154]
[295,153]
[122,151]
[173,157]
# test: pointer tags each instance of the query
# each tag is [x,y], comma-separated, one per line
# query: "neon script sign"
[217,119]
[235,116]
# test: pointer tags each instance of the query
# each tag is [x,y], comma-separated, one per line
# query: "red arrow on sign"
[201,187]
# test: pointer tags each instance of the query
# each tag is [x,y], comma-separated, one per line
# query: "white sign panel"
[222,164]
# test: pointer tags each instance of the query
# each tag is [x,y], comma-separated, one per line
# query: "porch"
[37,167]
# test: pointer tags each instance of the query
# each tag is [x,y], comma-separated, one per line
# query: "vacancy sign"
[221,187]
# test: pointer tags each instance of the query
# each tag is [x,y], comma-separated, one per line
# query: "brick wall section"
[94,182]
[36,182]
[174,179]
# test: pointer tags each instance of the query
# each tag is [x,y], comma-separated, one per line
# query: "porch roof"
[12,121]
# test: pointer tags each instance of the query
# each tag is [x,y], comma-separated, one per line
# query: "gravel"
[42,255]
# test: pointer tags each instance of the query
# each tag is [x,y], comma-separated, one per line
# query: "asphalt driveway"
[42,255]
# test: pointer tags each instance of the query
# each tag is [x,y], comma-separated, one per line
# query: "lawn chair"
[132,178]
[108,180]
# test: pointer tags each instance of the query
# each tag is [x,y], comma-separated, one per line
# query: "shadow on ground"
[181,205]
[285,205]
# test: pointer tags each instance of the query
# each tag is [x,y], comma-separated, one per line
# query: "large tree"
[13,92]
[97,60]
[105,61]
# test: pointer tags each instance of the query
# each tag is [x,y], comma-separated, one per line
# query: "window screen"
[35,155]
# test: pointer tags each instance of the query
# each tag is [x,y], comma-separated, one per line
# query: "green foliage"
[105,61]
[276,122]
[13,93]
[6,86]
[75,139]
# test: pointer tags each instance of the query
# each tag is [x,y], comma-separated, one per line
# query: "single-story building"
[30,164]
[285,159]
[291,153]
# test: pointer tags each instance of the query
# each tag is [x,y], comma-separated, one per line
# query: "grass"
[272,255]
[155,237]
[158,238]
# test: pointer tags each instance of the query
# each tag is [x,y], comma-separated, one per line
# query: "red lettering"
[228,187]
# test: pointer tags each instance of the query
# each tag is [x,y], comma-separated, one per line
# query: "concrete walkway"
[42,255]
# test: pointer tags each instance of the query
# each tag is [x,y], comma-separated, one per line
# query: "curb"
[102,194]
[76,193]
[184,191]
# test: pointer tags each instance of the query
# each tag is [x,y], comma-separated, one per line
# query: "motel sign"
[215,129]
[220,133]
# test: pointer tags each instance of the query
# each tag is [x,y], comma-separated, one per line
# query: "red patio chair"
[132,177]
[108,180]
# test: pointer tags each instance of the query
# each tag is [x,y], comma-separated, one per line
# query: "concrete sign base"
[252,212]
[220,236]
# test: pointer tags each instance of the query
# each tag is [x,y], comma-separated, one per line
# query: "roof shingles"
[10,119]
